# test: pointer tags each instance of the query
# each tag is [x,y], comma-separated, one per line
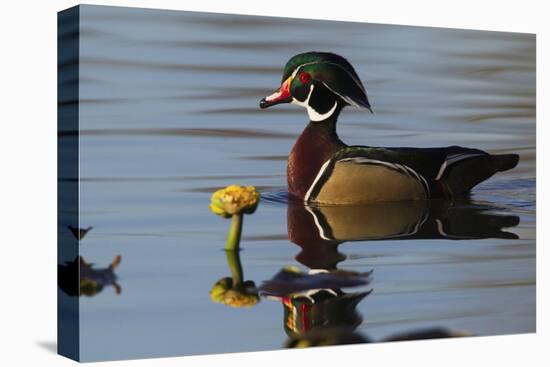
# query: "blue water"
[169,113]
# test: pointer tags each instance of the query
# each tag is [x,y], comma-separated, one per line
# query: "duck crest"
[315,146]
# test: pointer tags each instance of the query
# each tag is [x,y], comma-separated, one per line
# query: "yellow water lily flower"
[234,199]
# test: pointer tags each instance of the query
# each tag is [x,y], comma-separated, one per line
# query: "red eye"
[304,78]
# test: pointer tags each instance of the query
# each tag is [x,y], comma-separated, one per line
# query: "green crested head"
[319,59]
[322,82]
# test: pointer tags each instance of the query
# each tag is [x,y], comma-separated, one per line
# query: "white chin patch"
[314,115]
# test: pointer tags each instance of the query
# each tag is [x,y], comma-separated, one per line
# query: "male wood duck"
[323,169]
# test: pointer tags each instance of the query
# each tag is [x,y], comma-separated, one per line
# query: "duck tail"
[504,162]
[466,174]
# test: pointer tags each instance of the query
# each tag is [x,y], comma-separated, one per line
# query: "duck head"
[322,82]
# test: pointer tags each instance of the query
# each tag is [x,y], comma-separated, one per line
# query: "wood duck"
[323,169]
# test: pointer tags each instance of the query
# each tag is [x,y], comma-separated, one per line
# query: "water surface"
[169,112]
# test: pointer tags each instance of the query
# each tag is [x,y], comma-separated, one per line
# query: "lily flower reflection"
[234,291]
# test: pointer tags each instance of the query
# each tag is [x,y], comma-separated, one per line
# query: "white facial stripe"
[350,75]
[348,100]
[314,115]
[302,65]
[357,82]
[306,102]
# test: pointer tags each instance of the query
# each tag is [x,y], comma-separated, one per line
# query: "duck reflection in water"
[320,306]
[91,281]
[325,314]
[316,309]
[319,230]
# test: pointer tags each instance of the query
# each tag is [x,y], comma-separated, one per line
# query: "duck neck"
[316,145]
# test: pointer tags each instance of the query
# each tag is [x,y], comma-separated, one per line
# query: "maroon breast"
[317,143]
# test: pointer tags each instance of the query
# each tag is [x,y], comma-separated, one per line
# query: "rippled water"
[169,113]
